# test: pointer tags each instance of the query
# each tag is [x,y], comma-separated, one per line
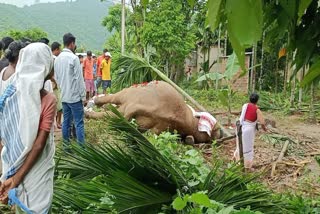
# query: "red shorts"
[90,86]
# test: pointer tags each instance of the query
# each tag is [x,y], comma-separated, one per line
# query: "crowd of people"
[38,85]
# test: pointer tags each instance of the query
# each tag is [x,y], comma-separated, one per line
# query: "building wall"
[194,61]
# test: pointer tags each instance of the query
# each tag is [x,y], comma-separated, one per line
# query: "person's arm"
[261,120]
[55,75]
[101,66]
[79,76]
[35,152]
[84,64]
[31,159]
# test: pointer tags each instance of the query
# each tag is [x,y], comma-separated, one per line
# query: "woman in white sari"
[26,130]
[250,115]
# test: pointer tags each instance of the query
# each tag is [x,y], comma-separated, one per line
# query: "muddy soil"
[298,171]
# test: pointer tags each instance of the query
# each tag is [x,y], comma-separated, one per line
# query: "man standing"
[88,75]
[55,48]
[106,73]
[99,74]
[69,77]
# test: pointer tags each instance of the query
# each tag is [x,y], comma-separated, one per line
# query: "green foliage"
[133,69]
[134,176]
[244,22]
[214,13]
[201,203]
[274,102]
[188,159]
[82,18]
[299,20]
[35,34]
[312,74]
[113,20]
[165,29]
[212,76]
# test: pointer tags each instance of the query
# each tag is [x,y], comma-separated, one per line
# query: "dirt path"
[299,172]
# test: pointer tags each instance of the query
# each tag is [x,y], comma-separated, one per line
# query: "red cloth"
[251,113]
[99,60]
[48,111]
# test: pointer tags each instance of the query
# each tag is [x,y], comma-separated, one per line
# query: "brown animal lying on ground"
[159,107]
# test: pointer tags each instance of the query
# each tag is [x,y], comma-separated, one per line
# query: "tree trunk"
[276,77]
[312,114]
[285,75]
[229,104]
[254,68]
[219,60]
[225,43]
[300,89]
[293,82]
[293,91]
[167,67]
[261,68]
[251,84]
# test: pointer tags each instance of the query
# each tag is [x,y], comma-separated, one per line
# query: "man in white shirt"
[69,77]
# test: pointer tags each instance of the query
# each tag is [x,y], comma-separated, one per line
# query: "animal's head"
[217,132]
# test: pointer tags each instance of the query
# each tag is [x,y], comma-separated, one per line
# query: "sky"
[21,3]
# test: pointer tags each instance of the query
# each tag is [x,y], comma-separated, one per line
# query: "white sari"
[20,109]
[248,136]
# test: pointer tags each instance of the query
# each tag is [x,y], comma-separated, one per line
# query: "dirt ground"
[298,171]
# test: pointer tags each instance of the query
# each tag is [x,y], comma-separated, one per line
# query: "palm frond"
[230,187]
[95,160]
[131,194]
[148,156]
[134,172]
[80,196]
[133,69]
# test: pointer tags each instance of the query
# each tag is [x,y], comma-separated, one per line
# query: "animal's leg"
[108,99]
[94,115]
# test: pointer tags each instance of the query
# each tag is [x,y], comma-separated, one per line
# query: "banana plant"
[225,95]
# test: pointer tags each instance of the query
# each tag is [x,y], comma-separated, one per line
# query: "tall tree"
[33,34]
[165,29]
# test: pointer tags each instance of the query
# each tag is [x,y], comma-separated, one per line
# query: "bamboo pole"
[123,27]
[239,136]
[274,165]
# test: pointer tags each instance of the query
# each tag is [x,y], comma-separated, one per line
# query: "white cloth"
[69,77]
[5,83]
[243,113]
[48,86]
[206,121]
[22,109]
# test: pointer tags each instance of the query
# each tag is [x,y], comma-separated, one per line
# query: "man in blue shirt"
[69,77]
